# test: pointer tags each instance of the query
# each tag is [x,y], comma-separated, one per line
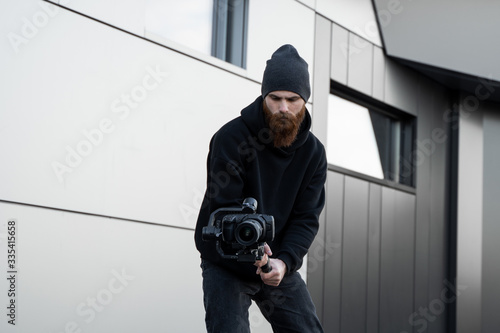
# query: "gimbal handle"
[266,268]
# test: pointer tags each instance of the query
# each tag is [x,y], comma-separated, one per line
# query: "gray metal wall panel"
[388,264]
[404,242]
[360,64]
[431,229]
[491,222]
[333,261]
[369,281]
[423,185]
[373,268]
[450,34]
[354,255]
[378,78]
[340,54]
[401,86]
[469,217]
[397,260]
[316,266]
[438,234]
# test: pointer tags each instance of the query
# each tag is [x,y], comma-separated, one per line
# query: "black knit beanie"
[286,70]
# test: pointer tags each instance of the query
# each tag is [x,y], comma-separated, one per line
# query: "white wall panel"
[125,14]
[340,54]
[155,111]
[360,60]
[309,3]
[100,274]
[274,23]
[321,77]
[356,16]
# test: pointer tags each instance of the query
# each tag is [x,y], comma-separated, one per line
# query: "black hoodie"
[287,183]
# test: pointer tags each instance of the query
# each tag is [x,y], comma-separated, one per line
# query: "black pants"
[288,307]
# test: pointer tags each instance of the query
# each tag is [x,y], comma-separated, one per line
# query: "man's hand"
[274,277]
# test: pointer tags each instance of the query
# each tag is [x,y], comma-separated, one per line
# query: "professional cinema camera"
[240,233]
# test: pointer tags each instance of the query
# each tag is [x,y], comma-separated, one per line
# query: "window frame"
[227,46]
[407,141]
[231,59]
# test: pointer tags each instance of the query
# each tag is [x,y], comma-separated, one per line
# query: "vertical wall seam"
[381,206]
[342,252]
[348,57]
[367,255]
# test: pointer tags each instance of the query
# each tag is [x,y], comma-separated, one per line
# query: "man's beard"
[284,126]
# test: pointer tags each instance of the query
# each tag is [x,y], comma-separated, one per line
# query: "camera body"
[240,233]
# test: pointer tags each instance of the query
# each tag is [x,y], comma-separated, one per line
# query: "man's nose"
[283,106]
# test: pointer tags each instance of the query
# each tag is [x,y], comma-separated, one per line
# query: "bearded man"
[267,153]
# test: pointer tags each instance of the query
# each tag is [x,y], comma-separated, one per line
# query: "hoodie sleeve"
[303,223]
[225,180]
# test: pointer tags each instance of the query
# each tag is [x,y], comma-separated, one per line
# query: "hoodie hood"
[255,120]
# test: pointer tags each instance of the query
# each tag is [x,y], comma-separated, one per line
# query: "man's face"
[284,112]
[284,102]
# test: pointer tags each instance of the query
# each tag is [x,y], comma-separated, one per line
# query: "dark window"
[230,31]
[368,137]
[394,138]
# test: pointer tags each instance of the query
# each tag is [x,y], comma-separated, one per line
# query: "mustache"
[284,126]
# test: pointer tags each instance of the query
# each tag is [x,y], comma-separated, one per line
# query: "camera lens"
[248,232]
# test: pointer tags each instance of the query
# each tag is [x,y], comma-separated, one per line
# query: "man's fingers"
[275,276]
[267,249]
[271,280]
[262,262]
